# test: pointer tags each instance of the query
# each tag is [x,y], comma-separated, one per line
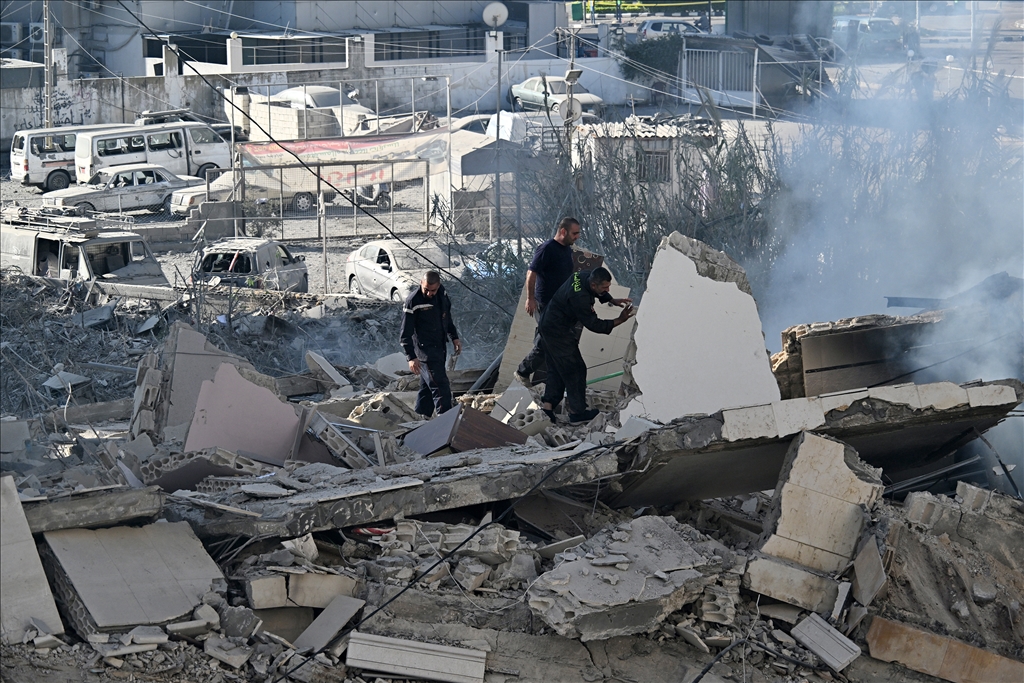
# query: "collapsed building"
[717,520]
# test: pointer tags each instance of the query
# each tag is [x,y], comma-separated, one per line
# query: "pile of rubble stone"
[224,524]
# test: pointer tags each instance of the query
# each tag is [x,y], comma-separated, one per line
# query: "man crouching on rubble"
[426,327]
[571,309]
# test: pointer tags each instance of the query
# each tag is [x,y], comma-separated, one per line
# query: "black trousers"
[535,363]
[567,372]
[435,392]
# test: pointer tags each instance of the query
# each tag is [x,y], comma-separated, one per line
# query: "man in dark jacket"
[426,328]
[551,266]
[572,306]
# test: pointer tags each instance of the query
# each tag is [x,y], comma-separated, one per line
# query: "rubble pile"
[216,521]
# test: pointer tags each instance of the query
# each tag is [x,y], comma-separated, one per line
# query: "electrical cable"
[353,201]
[944,360]
[448,555]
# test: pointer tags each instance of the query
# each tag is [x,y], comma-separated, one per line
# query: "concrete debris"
[210,522]
[717,349]
[27,597]
[655,572]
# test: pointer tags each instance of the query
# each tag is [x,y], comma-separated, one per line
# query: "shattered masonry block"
[750,422]
[483,402]
[530,422]
[383,412]
[471,573]
[923,508]
[797,415]
[942,395]
[493,546]
[717,349]
[224,650]
[718,605]
[318,590]
[906,394]
[830,645]
[818,508]
[624,580]
[514,400]
[518,572]
[605,401]
[974,499]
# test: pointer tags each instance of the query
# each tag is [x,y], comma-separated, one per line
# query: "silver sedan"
[123,188]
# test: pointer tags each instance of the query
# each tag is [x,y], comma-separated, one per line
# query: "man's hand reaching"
[414,366]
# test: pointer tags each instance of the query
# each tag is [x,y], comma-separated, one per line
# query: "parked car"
[387,269]
[260,186]
[549,92]
[123,188]
[253,262]
[503,259]
[658,28]
[868,35]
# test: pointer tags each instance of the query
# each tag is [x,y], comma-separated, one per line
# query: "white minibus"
[45,157]
[182,147]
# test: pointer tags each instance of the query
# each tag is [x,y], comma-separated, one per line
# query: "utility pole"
[48,68]
[497,142]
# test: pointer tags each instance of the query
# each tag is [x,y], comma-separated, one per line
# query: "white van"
[182,147]
[45,157]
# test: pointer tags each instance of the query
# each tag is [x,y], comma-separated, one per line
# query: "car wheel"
[203,169]
[353,286]
[384,202]
[81,208]
[395,296]
[517,104]
[302,202]
[554,107]
[58,180]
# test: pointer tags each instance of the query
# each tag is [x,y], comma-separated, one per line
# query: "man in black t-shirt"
[551,266]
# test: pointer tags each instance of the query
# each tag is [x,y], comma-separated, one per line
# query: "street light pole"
[497,141]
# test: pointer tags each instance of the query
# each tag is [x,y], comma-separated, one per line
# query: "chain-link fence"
[294,202]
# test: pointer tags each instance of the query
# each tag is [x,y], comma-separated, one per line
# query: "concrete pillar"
[170,62]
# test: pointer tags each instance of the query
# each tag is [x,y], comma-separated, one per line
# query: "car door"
[150,188]
[291,270]
[119,194]
[167,149]
[380,270]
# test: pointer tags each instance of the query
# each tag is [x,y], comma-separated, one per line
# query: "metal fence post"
[753,88]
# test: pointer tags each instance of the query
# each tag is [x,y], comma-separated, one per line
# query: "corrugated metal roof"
[650,127]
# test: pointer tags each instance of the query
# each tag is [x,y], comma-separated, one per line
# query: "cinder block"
[922,508]
[318,590]
[790,583]
[830,645]
[975,499]
[265,592]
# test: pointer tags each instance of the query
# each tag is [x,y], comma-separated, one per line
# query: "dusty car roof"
[238,243]
[135,167]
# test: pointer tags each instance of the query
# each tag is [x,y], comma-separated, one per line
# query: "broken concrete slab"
[939,656]
[441,483]
[461,429]
[685,460]
[717,347]
[324,369]
[515,399]
[868,573]
[15,435]
[817,516]
[100,509]
[234,414]
[414,659]
[656,571]
[329,623]
[835,649]
[26,593]
[233,654]
[109,579]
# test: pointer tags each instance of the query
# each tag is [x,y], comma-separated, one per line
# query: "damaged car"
[391,270]
[123,188]
[254,263]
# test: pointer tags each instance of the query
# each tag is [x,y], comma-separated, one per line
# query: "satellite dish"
[571,110]
[495,14]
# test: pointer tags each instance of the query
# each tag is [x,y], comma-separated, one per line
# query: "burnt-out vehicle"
[253,262]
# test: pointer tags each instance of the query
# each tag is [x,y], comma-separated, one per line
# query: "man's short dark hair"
[566,223]
[600,275]
[432,277]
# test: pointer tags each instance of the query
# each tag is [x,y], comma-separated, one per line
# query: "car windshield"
[422,258]
[101,178]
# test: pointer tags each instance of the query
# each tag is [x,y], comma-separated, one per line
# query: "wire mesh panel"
[347,200]
[720,71]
